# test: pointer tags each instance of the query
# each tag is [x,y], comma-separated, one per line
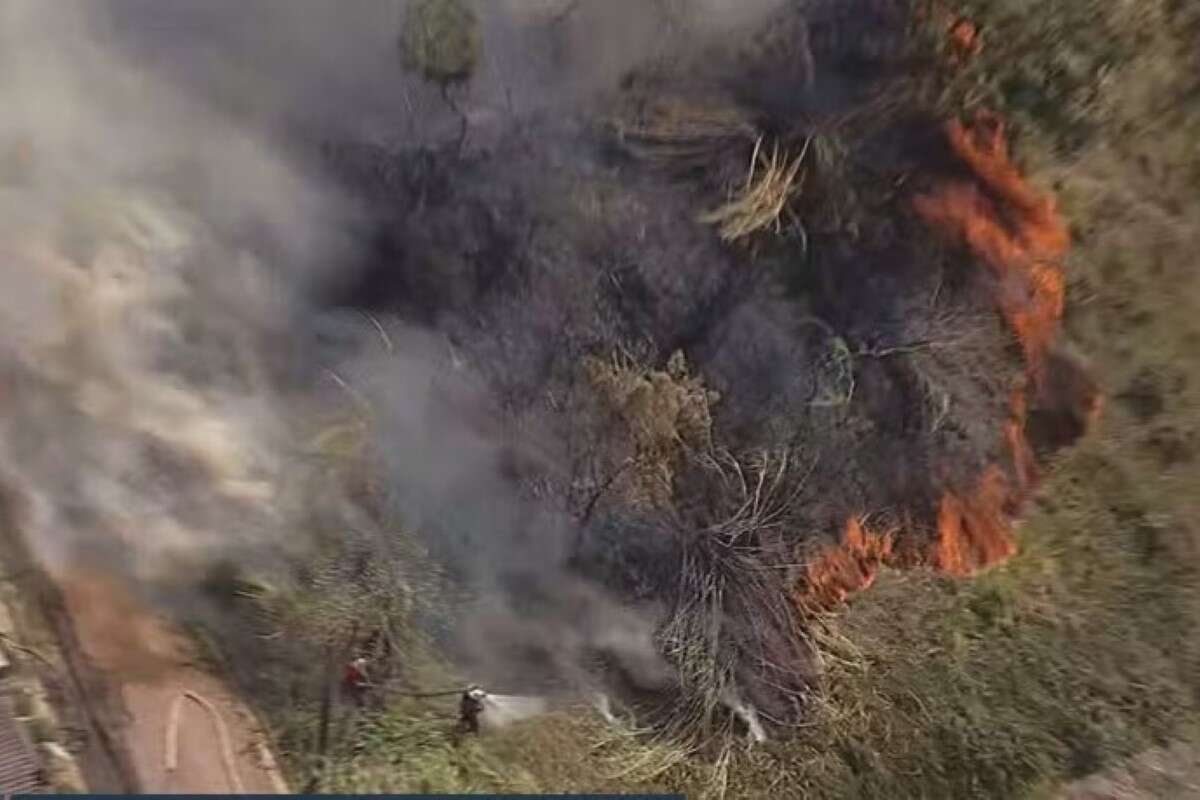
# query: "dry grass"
[733,597]
[759,205]
[660,413]
[683,133]
[729,627]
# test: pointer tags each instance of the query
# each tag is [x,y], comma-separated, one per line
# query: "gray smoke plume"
[159,236]
[144,411]
[336,66]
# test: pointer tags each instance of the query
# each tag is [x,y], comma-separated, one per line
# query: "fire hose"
[446,693]
[171,756]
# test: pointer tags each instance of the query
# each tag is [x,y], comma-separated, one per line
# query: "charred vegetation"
[740,325]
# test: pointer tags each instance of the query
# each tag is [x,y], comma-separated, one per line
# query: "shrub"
[441,40]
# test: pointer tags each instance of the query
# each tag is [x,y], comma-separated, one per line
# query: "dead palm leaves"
[760,204]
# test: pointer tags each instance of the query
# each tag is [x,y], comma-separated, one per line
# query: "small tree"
[441,41]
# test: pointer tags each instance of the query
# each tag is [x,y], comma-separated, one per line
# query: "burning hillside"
[615,381]
[842,384]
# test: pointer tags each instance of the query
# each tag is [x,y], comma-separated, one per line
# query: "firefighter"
[469,709]
[355,682]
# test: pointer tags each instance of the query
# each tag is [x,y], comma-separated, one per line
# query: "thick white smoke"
[136,312]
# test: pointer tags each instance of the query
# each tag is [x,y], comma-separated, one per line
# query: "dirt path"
[148,666]
[1172,772]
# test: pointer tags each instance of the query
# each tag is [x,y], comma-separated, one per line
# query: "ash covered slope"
[858,346]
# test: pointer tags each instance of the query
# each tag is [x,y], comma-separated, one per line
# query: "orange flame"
[846,568]
[965,41]
[1025,467]
[974,531]
[1017,232]
[1023,254]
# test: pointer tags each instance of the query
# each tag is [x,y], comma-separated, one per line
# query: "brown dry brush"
[716,553]
[759,205]
[658,413]
[729,628]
